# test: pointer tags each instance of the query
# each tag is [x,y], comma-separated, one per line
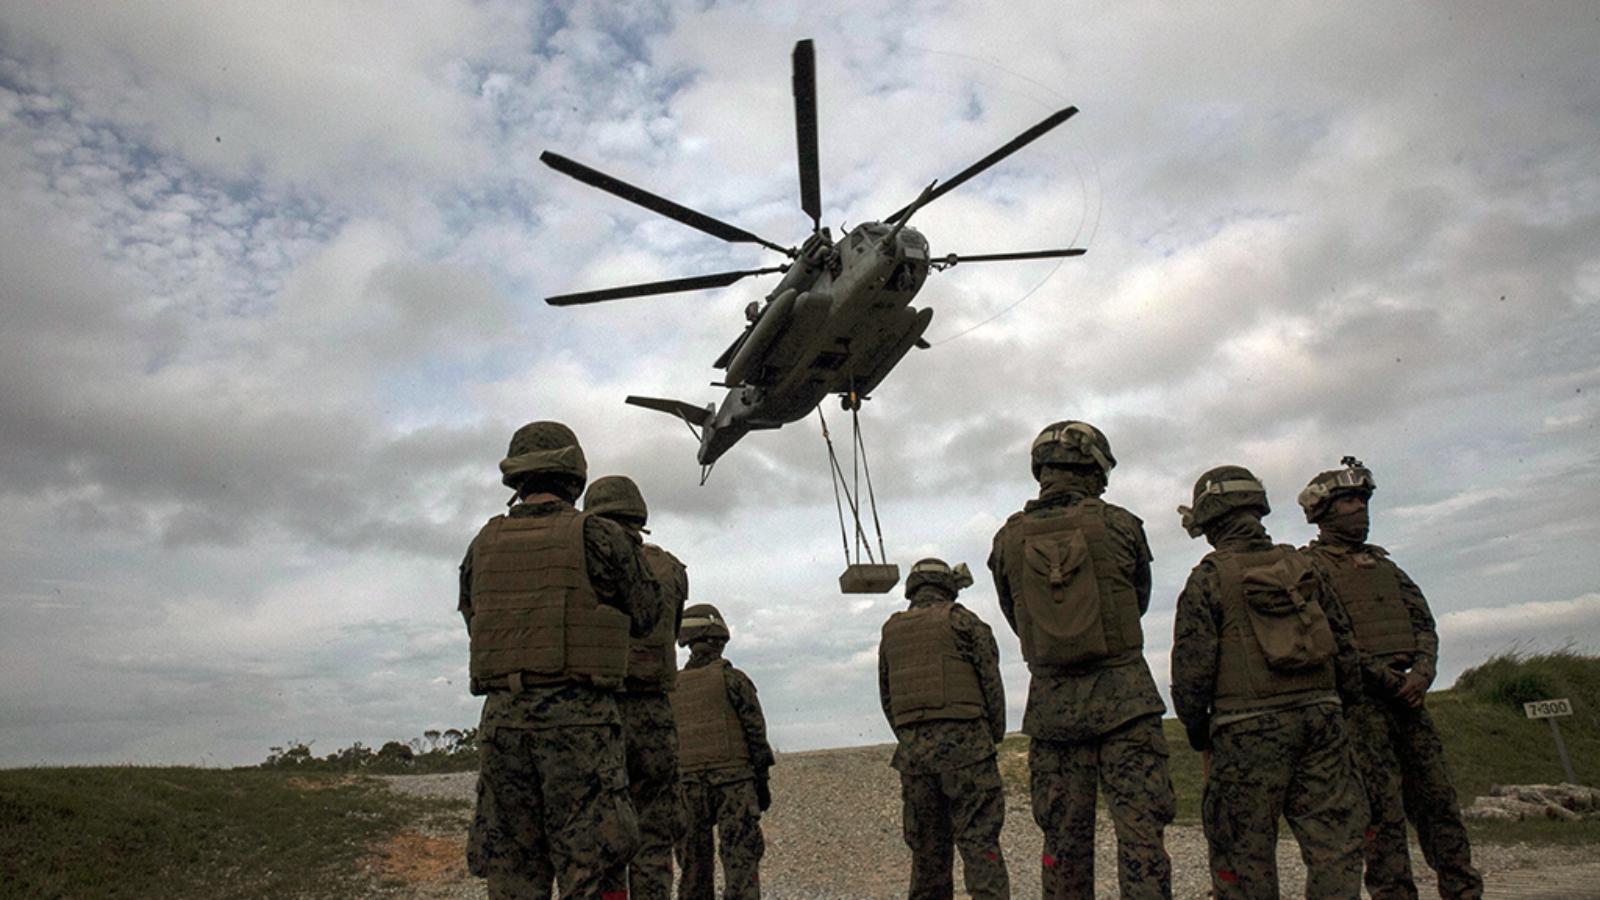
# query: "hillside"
[317,832]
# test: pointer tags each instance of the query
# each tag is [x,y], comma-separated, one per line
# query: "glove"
[1199,734]
[1412,691]
[763,790]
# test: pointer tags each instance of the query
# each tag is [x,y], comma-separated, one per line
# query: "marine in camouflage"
[1398,749]
[552,789]
[1095,726]
[1275,756]
[649,730]
[724,802]
[951,792]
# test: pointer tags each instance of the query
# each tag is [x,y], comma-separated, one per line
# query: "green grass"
[86,833]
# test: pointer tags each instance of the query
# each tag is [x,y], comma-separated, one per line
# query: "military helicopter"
[838,320]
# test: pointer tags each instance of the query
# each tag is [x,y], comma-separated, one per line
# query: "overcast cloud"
[271,304]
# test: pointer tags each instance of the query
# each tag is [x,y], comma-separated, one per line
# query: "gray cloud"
[254,390]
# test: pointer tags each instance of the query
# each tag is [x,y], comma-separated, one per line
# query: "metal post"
[1562,748]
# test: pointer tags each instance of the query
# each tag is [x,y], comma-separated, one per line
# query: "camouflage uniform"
[1288,756]
[650,735]
[1397,746]
[949,776]
[552,790]
[649,730]
[728,799]
[1094,725]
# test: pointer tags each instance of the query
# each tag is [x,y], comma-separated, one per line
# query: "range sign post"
[1551,709]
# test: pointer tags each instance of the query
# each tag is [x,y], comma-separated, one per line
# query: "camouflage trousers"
[650,737]
[552,806]
[1129,765]
[1296,763]
[965,809]
[734,812]
[1402,763]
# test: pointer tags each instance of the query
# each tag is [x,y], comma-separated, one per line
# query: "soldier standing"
[939,683]
[1261,657]
[723,751]
[551,597]
[1073,577]
[1397,746]
[649,735]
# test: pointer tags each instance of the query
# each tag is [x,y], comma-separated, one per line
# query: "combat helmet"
[1355,477]
[1220,491]
[1071,443]
[616,497]
[939,574]
[701,622]
[547,449]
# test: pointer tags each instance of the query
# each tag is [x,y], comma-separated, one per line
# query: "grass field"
[180,833]
[89,833]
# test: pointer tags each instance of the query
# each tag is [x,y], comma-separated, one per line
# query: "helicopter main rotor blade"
[674,286]
[660,205]
[805,130]
[955,258]
[1016,143]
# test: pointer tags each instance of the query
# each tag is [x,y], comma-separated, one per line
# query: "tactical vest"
[1074,604]
[535,616]
[710,735]
[1369,587]
[928,677]
[653,659]
[1276,644]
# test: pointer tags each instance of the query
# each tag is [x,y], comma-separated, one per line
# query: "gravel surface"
[833,833]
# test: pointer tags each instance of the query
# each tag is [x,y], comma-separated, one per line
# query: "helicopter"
[838,320]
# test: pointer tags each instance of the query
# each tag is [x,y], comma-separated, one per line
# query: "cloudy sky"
[271,304]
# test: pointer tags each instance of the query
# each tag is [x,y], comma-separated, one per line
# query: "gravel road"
[833,833]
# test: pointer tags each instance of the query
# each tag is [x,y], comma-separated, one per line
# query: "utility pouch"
[1062,595]
[1290,627]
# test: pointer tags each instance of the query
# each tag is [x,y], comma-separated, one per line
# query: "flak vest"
[1369,587]
[1276,645]
[710,735]
[653,659]
[1076,607]
[535,616]
[928,677]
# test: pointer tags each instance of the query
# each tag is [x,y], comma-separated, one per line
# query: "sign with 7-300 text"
[1544,709]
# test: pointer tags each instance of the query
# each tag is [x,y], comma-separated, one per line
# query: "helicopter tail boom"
[715,433]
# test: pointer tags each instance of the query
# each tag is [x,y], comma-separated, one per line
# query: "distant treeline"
[1503,683]
[453,750]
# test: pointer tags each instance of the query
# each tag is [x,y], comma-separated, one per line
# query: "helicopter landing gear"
[863,573]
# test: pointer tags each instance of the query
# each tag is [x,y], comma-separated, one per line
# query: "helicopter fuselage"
[837,323]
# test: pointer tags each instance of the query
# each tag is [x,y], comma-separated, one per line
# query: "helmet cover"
[543,448]
[616,497]
[1355,477]
[1071,443]
[700,622]
[1219,492]
[937,573]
